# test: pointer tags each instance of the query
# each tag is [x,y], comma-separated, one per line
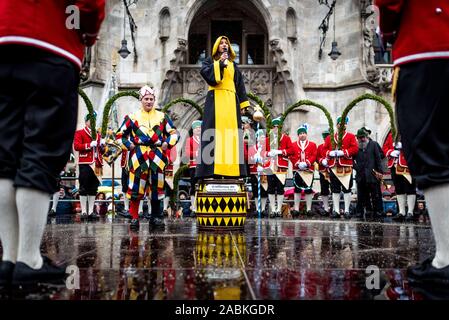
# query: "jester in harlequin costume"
[147,134]
[405,190]
[90,163]
[192,148]
[341,161]
[302,154]
[259,163]
[323,168]
[279,163]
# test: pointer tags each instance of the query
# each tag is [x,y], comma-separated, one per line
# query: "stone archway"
[195,5]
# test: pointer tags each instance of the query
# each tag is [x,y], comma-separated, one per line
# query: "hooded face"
[221,43]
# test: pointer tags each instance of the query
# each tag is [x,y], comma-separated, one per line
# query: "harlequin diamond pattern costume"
[147,131]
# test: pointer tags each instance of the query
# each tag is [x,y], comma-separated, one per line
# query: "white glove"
[340,153]
[333,153]
[395,153]
[302,165]
[399,145]
[102,142]
[93,144]
[259,169]
[324,163]
[274,153]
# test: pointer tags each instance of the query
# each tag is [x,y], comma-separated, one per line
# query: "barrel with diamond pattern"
[221,204]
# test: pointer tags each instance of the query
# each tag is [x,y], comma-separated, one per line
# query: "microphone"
[226,61]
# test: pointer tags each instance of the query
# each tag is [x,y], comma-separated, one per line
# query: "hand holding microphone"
[224,56]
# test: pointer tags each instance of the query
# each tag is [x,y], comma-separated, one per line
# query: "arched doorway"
[241,21]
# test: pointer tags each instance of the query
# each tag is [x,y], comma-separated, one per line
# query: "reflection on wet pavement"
[271,259]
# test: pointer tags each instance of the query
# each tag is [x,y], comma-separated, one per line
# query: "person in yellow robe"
[222,139]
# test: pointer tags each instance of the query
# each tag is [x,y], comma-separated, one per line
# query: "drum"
[221,204]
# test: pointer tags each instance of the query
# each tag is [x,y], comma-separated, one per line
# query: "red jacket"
[284,144]
[81,143]
[171,155]
[42,24]
[298,154]
[349,146]
[321,155]
[388,148]
[192,150]
[419,28]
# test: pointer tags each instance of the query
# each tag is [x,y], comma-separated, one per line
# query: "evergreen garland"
[108,106]
[186,101]
[313,104]
[90,109]
[373,97]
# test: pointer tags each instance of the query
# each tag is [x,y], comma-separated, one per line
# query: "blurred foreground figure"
[40,61]
[420,33]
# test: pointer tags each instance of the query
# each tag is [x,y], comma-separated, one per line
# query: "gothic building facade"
[278,49]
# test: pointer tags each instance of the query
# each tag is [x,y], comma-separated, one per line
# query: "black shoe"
[125,214]
[428,274]
[335,215]
[398,218]
[295,213]
[410,218]
[347,215]
[48,273]
[156,223]
[6,271]
[309,213]
[278,214]
[147,216]
[94,217]
[52,213]
[84,216]
[324,213]
[134,225]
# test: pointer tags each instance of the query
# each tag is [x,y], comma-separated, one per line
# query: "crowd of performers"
[149,153]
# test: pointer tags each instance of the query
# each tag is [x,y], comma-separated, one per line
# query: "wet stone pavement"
[271,259]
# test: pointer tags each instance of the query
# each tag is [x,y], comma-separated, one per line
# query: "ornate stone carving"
[368,30]
[260,82]
[194,82]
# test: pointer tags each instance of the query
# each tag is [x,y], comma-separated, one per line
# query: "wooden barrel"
[221,204]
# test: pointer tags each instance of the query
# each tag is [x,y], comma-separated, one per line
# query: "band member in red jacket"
[90,163]
[39,77]
[420,32]
[280,164]
[323,168]
[302,154]
[192,149]
[342,161]
[405,191]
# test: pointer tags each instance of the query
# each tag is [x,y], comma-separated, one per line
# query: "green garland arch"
[183,100]
[363,97]
[108,106]
[90,109]
[313,104]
